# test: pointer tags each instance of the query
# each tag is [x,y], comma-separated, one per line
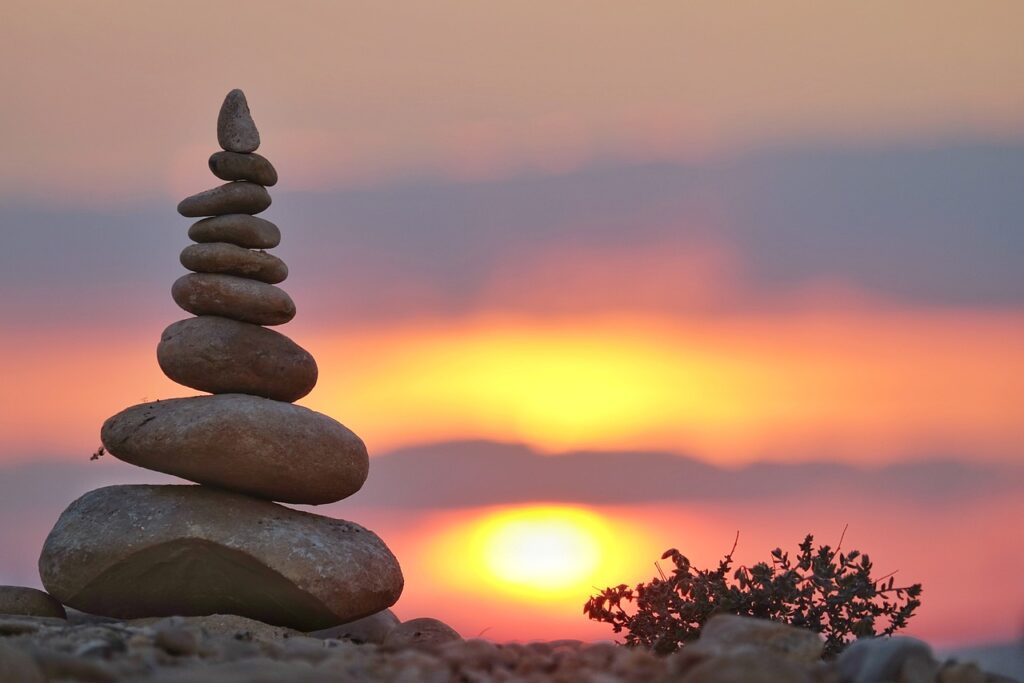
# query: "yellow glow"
[856,385]
[537,552]
[541,549]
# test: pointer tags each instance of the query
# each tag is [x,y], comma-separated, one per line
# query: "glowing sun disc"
[540,550]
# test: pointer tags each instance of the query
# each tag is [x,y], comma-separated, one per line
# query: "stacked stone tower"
[224,546]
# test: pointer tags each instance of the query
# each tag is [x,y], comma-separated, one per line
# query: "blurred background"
[591,280]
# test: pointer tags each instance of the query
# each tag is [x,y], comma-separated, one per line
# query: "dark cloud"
[934,227]
[471,473]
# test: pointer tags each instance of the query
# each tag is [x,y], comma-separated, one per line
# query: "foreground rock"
[230,259]
[233,297]
[24,601]
[237,197]
[243,230]
[190,550]
[237,650]
[264,448]
[224,356]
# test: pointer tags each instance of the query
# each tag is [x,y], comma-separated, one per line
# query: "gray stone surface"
[371,629]
[25,601]
[134,551]
[896,658]
[236,197]
[231,259]
[422,632]
[239,229]
[18,666]
[234,297]
[224,356]
[236,131]
[263,448]
[234,166]
[727,634]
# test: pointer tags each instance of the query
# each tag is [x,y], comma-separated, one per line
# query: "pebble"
[18,666]
[204,551]
[748,668]
[230,259]
[371,629]
[897,658]
[239,229]
[725,634]
[176,641]
[21,600]
[423,632]
[235,166]
[224,356]
[233,297]
[236,131]
[256,446]
[235,197]
[227,626]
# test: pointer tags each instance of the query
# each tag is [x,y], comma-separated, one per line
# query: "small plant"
[824,590]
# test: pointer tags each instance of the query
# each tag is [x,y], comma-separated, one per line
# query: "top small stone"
[236,131]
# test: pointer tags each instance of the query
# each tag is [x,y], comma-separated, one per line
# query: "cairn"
[224,546]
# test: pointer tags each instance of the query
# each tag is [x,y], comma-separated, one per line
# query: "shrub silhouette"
[823,590]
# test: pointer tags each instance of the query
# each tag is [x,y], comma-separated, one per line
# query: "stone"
[726,634]
[901,659]
[960,672]
[229,296]
[747,668]
[138,550]
[421,633]
[252,445]
[18,666]
[239,229]
[29,602]
[235,166]
[236,131]
[230,626]
[17,624]
[230,259]
[236,197]
[224,356]
[176,641]
[371,629]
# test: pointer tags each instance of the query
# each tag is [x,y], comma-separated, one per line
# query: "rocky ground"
[233,649]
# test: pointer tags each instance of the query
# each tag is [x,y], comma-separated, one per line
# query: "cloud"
[471,473]
[907,226]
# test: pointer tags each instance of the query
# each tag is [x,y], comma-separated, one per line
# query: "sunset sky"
[590,279]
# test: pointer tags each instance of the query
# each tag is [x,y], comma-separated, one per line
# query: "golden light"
[541,549]
[537,552]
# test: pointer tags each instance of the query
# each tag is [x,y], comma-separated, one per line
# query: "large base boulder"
[145,551]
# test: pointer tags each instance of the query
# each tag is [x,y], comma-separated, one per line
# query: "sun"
[540,551]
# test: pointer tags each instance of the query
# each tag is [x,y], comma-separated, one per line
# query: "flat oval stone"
[235,166]
[230,259]
[29,602]
[152,551]
[224,356]
[239,229]
[233,297]
[236,131]
[237,197]
[252,445]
